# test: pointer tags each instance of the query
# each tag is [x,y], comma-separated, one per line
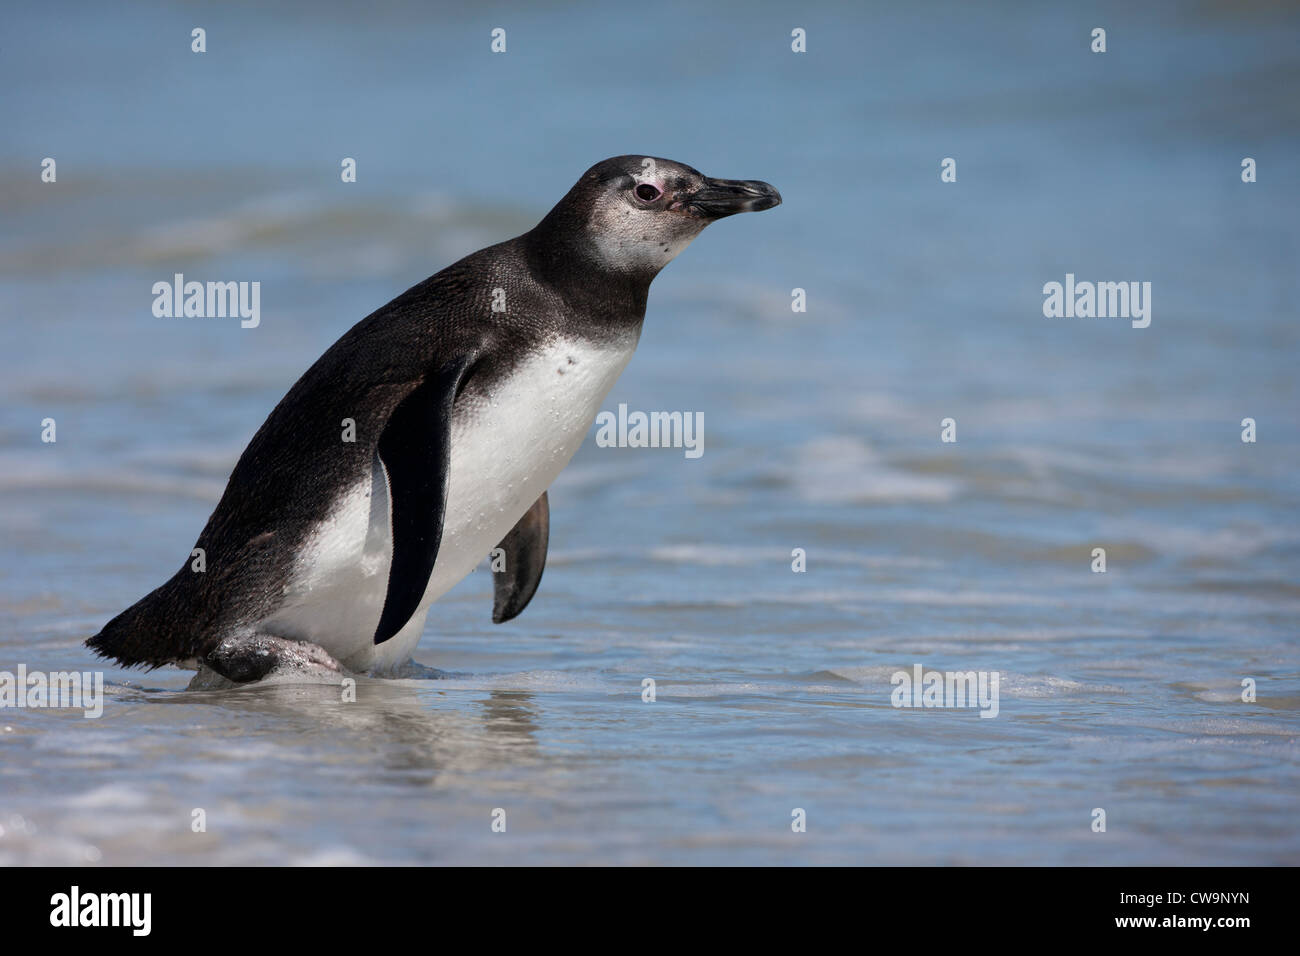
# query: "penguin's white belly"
[506,449]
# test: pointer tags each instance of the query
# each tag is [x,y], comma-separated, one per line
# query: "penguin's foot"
[249,657]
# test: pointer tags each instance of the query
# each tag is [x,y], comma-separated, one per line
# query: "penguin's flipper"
[415,448]
[525,557]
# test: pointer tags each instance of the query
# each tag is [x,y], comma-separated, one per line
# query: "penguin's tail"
[156,630]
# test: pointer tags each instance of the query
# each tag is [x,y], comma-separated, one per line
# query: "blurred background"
[821,429]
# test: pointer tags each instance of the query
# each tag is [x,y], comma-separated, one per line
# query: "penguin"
[425,438]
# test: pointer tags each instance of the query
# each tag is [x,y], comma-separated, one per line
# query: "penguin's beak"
[718,198]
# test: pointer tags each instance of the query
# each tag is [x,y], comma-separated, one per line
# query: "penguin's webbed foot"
[251,657]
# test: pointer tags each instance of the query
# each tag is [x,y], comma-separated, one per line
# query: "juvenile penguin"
[467,395]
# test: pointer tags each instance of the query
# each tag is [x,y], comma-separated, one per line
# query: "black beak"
[726,197]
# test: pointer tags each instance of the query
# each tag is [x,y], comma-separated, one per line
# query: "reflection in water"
[509,713]
[402,722]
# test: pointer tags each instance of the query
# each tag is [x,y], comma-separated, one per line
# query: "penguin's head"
[636,213]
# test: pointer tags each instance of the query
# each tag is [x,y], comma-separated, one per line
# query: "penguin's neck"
[565,259]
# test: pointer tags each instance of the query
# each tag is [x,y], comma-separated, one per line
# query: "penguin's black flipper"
[525,557]
[415,448]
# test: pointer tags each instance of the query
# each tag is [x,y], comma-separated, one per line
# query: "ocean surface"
[1120,691]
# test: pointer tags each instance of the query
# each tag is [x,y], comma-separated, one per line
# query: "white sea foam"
[844,470]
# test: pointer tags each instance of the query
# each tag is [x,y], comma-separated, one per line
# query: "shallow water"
[1118,691]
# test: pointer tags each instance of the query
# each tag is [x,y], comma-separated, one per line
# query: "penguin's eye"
[647,193]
